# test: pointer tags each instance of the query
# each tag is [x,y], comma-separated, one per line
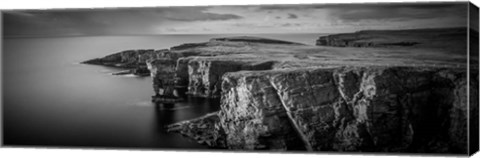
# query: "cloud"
[193,14]
[103,21]
[233,19]
[292,16]
[379,11]
[254,25]
[398,11]
[205,17]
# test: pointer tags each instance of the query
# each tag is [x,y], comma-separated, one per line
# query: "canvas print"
[389,78]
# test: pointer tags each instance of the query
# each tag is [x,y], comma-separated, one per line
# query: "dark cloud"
[292,16]
[101,21]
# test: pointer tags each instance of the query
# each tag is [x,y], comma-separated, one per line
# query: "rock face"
[201,74]
[163,75]
[383,109]
[204,74]
[204,130]
[200,70]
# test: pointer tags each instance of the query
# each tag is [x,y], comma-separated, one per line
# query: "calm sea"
[51,100]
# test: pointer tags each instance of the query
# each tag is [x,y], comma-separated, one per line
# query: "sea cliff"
[388,98]
[387,109]
[395,95]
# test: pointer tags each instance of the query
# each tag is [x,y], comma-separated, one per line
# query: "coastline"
[266,105]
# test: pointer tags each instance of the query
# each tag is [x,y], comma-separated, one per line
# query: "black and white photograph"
[391,78]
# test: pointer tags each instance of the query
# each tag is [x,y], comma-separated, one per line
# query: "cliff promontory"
[387,109]
[134,60]
[372,91]
[322,98]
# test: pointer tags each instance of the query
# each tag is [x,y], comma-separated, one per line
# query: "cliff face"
[297,97]
[198,69]
[204,74]
[388,109]
[205,130]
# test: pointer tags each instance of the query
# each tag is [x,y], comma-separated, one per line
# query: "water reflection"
[164,116]
[191,107]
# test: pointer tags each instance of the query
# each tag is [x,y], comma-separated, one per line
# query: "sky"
[312,18]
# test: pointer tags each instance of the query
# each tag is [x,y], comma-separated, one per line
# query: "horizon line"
[166,34]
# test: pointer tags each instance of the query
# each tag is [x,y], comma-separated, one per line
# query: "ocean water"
[50,100]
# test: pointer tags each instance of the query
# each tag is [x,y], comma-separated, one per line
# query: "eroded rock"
[204,130]
[205,73]
[387,109]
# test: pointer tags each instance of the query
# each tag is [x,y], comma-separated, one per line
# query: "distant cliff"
[429,38]
[128,58]
[135,60]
